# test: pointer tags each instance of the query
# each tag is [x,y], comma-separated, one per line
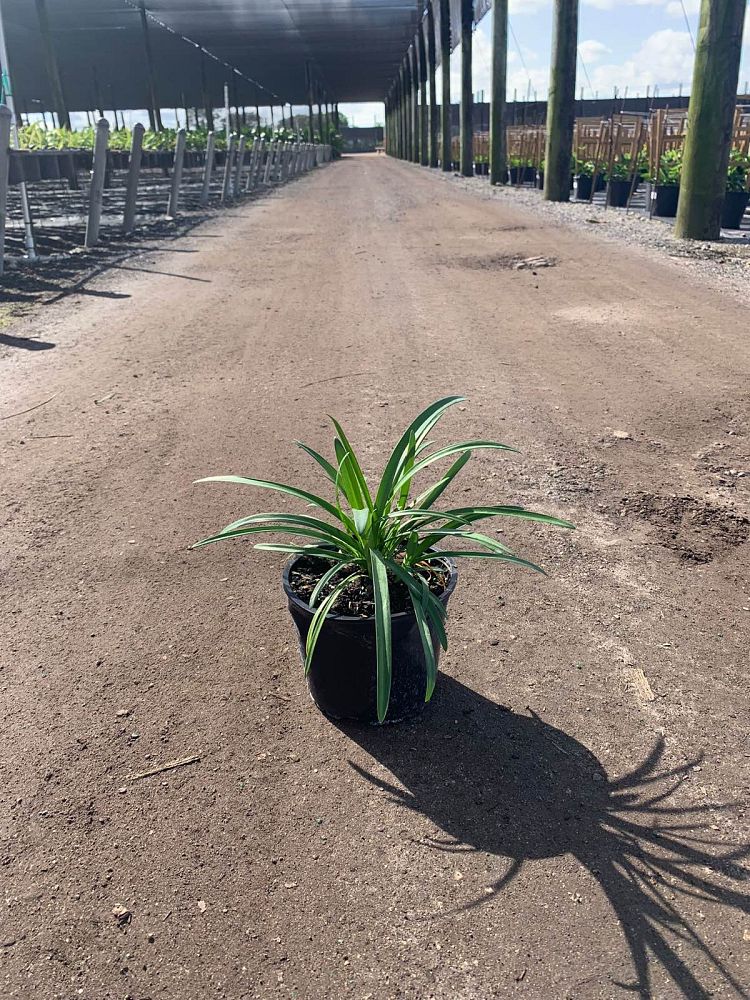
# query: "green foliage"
[626,165]
[738,173]
[583,168]
[670,167]
[382,533]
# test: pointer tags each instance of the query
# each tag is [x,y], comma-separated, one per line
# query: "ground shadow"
[511,785]
[25,343]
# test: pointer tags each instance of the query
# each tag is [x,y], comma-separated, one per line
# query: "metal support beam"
[208,168]
[446,154]
[498,152]
[431,73]
[205,97]
[561,102]
[155,115]
[713,98]
[96,189]
[310,126]
[424,158]
[134,170]
[467,97]
[414,104]
[53,70]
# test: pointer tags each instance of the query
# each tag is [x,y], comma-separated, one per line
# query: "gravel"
[724,265]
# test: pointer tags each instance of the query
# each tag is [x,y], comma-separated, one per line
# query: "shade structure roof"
[260,47]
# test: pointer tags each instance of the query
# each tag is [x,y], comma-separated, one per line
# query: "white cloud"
[664,59]
[592,51]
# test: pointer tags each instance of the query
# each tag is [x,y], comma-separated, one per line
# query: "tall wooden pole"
[431,73]
[424,157]
[207,107]
[402,112]
[320,119]
[713,99]
[310,125]
[446,150]
[414,103]
[498,151]
[155,113]
[467,99]
[561,102]
[53,70]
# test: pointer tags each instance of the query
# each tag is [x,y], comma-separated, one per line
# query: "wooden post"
[403,145]
[431,71]
[424,156]
[134,169]
[239,167]
[207,106]
[710,119]
[6,120]
[310,127]
[270,154]
[208,168]
[226,187]
[155,116]
[173,207]
[53,70]
[96,190]
[561,102]
[446,152]
[467,98]
[414,104]
[498,153]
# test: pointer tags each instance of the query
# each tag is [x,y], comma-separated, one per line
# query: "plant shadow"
[511,785]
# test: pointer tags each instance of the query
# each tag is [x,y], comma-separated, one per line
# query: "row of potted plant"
[35,137]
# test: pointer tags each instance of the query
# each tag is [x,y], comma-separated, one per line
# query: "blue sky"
[623,43]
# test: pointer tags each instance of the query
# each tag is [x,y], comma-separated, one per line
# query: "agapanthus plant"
[383,535]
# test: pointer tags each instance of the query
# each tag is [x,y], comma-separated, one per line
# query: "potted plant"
[737,195]
[619,181]
[666,192]
[583,179]
[368,587]
[539,180]
[481,165]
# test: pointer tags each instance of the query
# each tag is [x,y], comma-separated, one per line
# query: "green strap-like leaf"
[303,520]
[355,464]
[320,616]
[419,427]
[321,584]
[291,491]
[256,529]
[382,632]
[325,465]
[474,554]
[452,449]
[474,536]
[428,498]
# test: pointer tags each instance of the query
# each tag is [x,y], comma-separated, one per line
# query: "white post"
[269,162]
[134,169]
[251,165]
[96,189]
[174,195]
[240,166]
[226,186]
[208,168]
[6,119]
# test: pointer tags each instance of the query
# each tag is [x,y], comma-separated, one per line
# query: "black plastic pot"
[583,188]
[618,190]
[665,203]
[481,169]
[540,180]
[343,674]
[601,182]
[735,203]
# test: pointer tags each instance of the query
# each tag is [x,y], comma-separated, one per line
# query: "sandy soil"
[568,818]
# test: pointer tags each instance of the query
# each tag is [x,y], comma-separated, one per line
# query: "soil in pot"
[343,674]
[618,190]
[665,202]
[583,188]
[735,203]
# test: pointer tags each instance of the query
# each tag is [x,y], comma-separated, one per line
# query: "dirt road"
[568,818]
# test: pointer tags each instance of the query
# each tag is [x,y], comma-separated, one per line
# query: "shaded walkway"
[566,820]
